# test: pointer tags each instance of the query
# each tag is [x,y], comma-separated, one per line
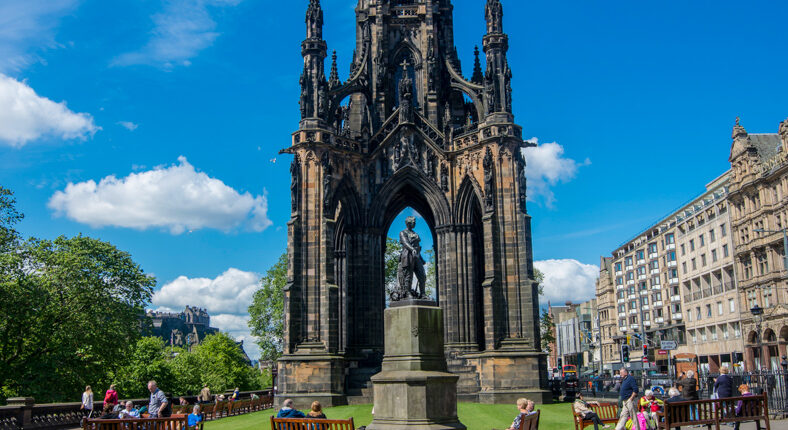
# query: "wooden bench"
[531,422]
[175,422]
[607,412]
[713,412]
[313,424]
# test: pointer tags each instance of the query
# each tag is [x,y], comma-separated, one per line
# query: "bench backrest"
[312,424]
[170,423]
[530,422]
[713,411]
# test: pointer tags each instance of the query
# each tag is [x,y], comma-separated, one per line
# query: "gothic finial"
[493,12]
[333,78]
[738,130]
[478,76]
[314,20]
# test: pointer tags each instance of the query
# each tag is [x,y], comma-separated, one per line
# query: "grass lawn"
[474,416]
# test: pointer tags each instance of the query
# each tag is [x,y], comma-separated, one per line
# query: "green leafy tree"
[223,364]
[539,278]
[69,309]
[267,311]
[391,264]
[547,328]
[148,360]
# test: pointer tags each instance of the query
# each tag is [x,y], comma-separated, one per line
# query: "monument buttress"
[406,129]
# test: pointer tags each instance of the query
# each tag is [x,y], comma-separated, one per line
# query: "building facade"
[606,308]
[182,329]
[759,204]
[712,311]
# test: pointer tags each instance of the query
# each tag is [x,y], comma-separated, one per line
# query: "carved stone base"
[414,390]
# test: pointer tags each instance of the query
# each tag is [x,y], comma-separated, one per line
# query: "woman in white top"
[87,401]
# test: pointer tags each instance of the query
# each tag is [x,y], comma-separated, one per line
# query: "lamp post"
[757,316]
[784,364]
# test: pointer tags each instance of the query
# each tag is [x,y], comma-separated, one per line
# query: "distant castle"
[182,329]
[185,329]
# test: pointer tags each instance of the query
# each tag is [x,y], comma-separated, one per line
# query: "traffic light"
[625,353]
[628,339]
[645,350]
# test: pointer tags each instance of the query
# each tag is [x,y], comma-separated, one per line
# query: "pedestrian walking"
[628,394]
[158,401]
[87,402]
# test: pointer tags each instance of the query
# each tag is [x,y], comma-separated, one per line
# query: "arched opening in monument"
[471,270]
[352,116]
[394,249]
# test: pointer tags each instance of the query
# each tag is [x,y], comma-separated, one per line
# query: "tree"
[69,309]
[223,365]
[266,314]
[391,265]
[539,278]
[547,328]
[147,360]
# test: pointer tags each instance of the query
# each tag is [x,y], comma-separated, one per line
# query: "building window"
[703,335]
[622,309]
[652,248]
[763,264]
[724,329]
[713,332]
[767,296]
[669,239]
[628,261]
[713,255]
[698,316]
[719,308]
[703,260]
[752,299]
[712,236]
[672,256]
[682,250]
[684,267]
[694,264]
[736,329]
[692,245]
[674,273]
[694,336]
[747,264]
[618,267]
[702,242]
[658,296]
[641,255]
[725,251]
[723,231]
[708,311]
[732,305]
[658,313]
[619,280]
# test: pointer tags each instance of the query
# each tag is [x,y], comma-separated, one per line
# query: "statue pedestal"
[413,390]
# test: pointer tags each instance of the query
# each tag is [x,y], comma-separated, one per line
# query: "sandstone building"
[759,214]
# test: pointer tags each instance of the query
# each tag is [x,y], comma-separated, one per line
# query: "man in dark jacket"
[689,390]
[628,394]
[723,386]
[287,411]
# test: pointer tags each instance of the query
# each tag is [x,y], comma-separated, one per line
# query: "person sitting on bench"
[581,408]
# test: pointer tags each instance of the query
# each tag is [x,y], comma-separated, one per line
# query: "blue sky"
[109,110]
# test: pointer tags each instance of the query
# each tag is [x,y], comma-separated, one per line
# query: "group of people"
[642,414]
[158,405]
[526,408]
[288,411]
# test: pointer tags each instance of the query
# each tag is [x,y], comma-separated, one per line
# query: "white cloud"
[181,30]
[128,125]
[27,26]
[546,166]
[178,198]
[226,298]
[568,280]
[25,116]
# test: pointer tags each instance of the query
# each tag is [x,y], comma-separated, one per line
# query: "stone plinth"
[414,390]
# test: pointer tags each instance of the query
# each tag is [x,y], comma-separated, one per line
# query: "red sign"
[662,352]
[645,359]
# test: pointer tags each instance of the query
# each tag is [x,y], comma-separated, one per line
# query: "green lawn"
[474,416]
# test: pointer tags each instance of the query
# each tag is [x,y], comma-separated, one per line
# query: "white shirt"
[87,400]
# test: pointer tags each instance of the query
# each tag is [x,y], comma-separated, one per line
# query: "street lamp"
[785,243]
[757,316]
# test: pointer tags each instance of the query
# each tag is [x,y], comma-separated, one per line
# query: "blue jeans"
[693,412]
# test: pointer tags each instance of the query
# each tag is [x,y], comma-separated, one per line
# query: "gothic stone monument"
[407,129]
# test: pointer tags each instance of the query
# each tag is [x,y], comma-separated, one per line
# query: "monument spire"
[497,81]
[314,88]
[478,75]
